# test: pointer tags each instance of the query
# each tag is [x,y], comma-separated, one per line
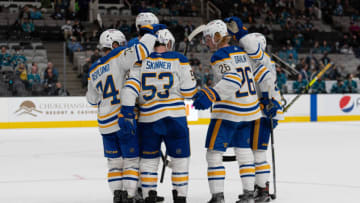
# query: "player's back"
[232,64]
[166,79]
[106,78]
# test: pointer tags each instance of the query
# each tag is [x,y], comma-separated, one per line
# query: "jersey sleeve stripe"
[258,75]
[190,89]
[134,84]
[107,120]
[136,80]
[257,70]
[110,114]
[239,84]
[189,94]
[263,76]
[184,64]
[134,89]
[142,53]
[143,46]
[237,78]
[107,61]
[109,125]
[137,52]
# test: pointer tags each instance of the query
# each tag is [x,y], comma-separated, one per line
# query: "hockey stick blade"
[197,30]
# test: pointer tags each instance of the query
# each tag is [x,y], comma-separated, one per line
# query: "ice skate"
[246,197]
[217,198]
[262,194]
[178,199]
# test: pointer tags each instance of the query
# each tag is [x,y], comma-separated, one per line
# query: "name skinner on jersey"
[153,65]
[100,71]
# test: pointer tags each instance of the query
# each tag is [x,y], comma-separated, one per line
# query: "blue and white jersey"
[161,83]
[235,85]
[133,41]
[106,78]
[265,80]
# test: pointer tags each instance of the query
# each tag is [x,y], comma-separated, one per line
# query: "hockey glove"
[269,106]
[235,27]
[127,122]
[151,29]
[204,98]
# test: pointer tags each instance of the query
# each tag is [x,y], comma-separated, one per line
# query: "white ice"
[315,162]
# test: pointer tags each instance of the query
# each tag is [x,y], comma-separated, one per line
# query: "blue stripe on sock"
[223,178]
[116,179]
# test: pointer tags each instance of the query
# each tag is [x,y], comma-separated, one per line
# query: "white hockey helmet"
[145,18]
[108,37]
[257,38]
[213,27]
[164,37]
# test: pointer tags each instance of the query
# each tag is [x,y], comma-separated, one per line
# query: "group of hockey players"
[139,88]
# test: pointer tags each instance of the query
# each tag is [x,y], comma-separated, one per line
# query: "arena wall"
[55,112]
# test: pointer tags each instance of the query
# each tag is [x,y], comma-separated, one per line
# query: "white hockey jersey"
[106,79]
[265,81]
[161,82]
[234,85]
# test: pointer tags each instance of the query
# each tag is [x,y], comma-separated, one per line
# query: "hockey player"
[161,84]
[234,106]
[144,18]
[270,99]
[106,78]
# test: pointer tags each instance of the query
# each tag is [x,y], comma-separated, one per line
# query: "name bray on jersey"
[162,82]
[235,85]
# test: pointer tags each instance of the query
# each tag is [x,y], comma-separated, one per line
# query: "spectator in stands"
[25,13]
[189,28]
[18,58]
[281,79]
[354,43]
[35,14]
[74,45]
[67,30]
[318,87]
[22,74]
[27,26]
[199,75]
[325,59]
[297,41]
[50,66]
[57,15]
[316,48]
[60,91]
[350,84]
[50,79]
[283,53]
[358,72]
[339,8]
[96,55]
[182,45]
[34,76]
[163,11]
[291,60]
[354,28]
[338,87]
[299,85]
[325,47]
[291,50]
[78,30]
[308,25]
[345,45]
[5,57]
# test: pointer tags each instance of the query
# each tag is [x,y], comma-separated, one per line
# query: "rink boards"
[55,112]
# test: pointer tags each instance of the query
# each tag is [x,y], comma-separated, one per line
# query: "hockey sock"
[180,175]
[262,168]
[216,171]
[245,159]
[131,175]
[115,173]
[148,174]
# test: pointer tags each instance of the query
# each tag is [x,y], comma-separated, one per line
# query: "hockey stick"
[308,86]
[195,32]
[289,69]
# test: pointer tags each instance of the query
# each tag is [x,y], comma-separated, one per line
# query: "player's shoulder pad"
[171,55]
[225,53]
[106,58]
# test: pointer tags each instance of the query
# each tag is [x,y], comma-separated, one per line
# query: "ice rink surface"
[316,162]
